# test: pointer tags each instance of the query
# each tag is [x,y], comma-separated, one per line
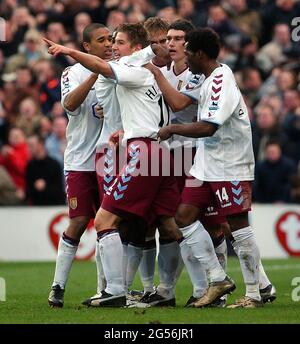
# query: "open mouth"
[108,52]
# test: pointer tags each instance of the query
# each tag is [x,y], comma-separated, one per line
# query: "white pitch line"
[272,267]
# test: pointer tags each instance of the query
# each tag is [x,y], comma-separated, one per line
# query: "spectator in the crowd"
[56,32]
[29,116]
[247,20]
[24,78]
[291,123]
[3,125]
[286,80]
[271,54]
[246,56]
[265,128]
[187,10]
[57,110]
[45,127]
[18,22]
[135,16]
[81,21]
[273,176]
[251,84]
[29,52]
[2,61]
[14,158]
[279,81]
[295,189]
[25,85]
[56,142]
[279,11]
[168,13]
[218,20]
[114,19]
[43,176]
[49,83]
[8,96]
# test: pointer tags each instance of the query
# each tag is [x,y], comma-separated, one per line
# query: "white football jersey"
[187,115]
[143,109]
[84,125]
[228,154]
[107,96]
[107,99]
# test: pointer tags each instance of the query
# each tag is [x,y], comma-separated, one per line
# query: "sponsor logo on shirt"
[193,82]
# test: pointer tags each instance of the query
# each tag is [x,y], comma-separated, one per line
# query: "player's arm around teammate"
[79,101]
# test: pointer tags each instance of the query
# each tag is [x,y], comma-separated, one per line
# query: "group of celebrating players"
[158,139]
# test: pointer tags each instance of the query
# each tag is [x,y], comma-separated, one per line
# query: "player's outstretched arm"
[176,100]
[91,62]
[196,130]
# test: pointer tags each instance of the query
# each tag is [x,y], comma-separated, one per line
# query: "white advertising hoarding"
[32,233]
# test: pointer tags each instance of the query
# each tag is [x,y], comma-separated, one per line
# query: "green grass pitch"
[27,288]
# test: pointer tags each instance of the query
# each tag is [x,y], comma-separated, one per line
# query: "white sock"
[221,252]
[202,249]
[101,282]
[134,256]
[111,252]
[65,256]
[147,268]
[179,268]
[195,269]
[124,269]
[167,263]
[263,278]
[248,253]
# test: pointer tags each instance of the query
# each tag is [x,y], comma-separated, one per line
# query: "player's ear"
[138,47]
[200,54]
[86,46]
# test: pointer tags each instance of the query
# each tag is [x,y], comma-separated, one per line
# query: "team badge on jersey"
[179,85]
[73,202]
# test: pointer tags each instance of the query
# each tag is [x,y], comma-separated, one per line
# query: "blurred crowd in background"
[259,44]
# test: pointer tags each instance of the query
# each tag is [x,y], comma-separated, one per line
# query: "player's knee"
[186,215]
[238,221]
[105,220]
[226,229]
[77,227]
[183,219]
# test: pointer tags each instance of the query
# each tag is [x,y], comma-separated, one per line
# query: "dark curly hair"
[206,40]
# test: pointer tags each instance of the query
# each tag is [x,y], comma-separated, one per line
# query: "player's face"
[122,46]
[192,61]
[175,43]
[158,37]
[100,44]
